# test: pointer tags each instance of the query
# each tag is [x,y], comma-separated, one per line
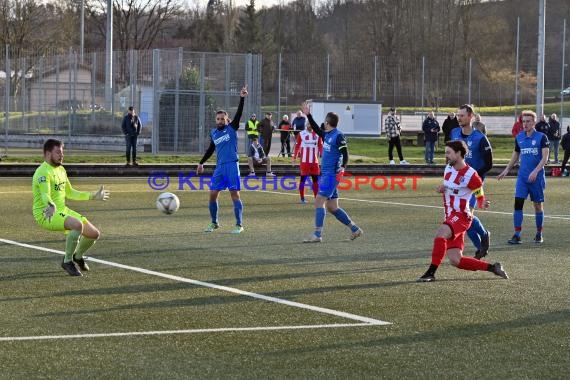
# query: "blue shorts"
[226,176]
[327,186]
[535,189]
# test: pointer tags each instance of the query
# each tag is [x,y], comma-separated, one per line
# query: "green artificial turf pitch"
[464,325]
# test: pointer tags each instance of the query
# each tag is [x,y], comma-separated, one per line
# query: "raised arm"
[235,121]
[307,111]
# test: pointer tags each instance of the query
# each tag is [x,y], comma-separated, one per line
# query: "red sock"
[470,263]
[439,249]
[302,187]
[315,185]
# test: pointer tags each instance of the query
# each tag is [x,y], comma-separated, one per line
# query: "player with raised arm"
[333,164]
[223,141]
[308,147]
[532,148]
[50,189]
[460,182]
[480,158]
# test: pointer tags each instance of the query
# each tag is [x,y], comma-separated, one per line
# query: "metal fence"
[175,93]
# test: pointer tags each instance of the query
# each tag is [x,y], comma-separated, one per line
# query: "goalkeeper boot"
[71,269]
[81,264]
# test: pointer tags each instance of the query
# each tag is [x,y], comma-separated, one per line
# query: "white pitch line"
[214,286]
[191,331]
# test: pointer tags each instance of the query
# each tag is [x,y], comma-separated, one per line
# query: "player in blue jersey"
[532,148]
[223,140]
[333,163]
[480,158]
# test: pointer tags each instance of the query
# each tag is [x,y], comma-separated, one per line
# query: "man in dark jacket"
[553,135]
[566,146]
[266,128]
[542,126]
[448,125]
[430,127]
[131,129]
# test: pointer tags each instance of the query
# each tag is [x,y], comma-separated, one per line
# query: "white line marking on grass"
[561,217]
[192,331]
[214,286]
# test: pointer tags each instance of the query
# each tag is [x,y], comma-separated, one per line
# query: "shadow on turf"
[435,336]
[209,301]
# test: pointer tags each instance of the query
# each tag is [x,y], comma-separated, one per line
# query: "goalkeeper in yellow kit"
[50,188]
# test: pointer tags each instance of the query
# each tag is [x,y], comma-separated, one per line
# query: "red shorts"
[309,168]
[459,223]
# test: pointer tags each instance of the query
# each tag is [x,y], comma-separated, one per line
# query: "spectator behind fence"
[430,127]
[252,127]
[553,135]
[542,125]
[479,125]
[285,128]
[565,143]
[448,125]
[266,128]
[517,126]
[393,130]
[257,158]
[298,123]
[131,129]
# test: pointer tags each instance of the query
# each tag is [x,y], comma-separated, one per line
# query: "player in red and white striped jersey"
[460,181]
[309,147]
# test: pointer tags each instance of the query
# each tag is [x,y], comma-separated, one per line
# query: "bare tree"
[136,23]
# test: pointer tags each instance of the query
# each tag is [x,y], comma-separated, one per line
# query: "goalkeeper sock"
[84,244]
[71,244]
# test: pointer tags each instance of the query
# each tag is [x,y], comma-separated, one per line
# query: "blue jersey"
[333,142]
[225,140]
[530,150]
[478,146]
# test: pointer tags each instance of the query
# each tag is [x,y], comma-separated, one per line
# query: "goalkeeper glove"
[101,194]
[49,211]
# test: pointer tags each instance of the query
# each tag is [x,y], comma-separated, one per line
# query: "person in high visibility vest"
[252,128]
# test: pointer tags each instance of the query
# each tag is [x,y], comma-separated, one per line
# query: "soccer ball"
[168,203]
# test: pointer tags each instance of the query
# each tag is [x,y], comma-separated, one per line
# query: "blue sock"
[213,206]
[518,220]
[539,218]
[474,237]
[342,216]
[238,211]
[478,226]
[320,214]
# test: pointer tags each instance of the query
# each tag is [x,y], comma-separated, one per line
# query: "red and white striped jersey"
[308,146]
[458,188]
